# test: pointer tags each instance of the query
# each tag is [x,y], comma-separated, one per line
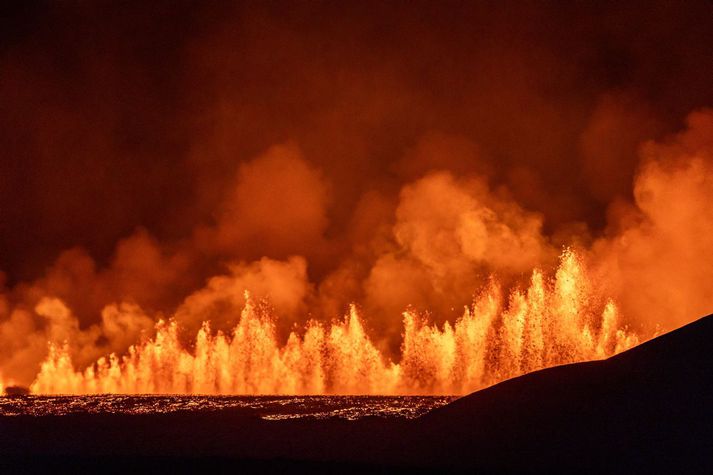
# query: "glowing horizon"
[545,325]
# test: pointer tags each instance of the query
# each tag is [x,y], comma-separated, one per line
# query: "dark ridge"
[647,409]
[651,406]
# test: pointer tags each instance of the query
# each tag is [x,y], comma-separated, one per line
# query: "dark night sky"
[123,114]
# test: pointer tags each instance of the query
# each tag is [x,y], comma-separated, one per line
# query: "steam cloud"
[396,159]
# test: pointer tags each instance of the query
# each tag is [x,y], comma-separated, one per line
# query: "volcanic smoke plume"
[316,198]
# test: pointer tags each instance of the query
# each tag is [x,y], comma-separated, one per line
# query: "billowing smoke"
[654,261]
[317,156]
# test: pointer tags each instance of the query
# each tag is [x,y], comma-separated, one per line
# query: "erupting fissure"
[552,321]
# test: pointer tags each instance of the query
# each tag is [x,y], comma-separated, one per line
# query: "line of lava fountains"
[549,323]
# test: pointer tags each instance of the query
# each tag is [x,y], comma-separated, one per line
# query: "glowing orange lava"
[549,323]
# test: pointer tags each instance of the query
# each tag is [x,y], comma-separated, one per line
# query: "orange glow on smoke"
[553,321]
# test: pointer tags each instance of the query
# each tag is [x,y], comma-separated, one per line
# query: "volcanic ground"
[647,408]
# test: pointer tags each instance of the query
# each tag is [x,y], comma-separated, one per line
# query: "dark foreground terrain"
[648,409]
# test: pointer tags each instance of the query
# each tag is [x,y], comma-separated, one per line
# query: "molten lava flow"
[547,324]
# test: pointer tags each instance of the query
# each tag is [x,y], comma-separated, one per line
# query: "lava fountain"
[553,321]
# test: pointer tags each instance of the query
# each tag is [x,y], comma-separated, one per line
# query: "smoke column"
[158,161]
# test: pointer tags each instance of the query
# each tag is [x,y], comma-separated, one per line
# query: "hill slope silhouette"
[647,409]
[651,406]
